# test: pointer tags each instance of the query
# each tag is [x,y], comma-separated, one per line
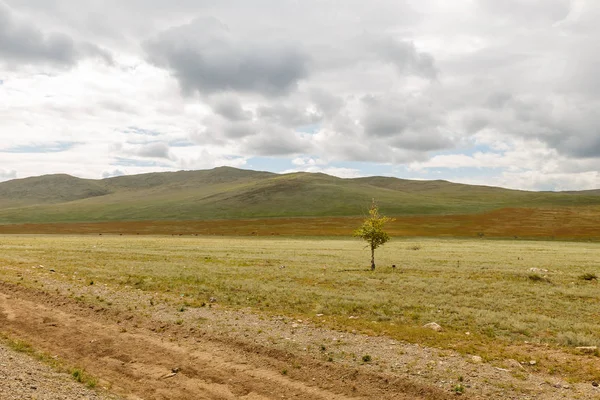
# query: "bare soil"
[158,352]
[23,378]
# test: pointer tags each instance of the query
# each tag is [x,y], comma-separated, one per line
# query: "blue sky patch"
[54,147]
[130,162]
[141,131]
[312,128]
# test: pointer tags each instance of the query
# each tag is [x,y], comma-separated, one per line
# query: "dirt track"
[132,360]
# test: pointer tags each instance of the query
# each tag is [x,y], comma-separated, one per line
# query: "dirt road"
[130,358]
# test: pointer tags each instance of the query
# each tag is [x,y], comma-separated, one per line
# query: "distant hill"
[48,189]
[230,193]
[593,192]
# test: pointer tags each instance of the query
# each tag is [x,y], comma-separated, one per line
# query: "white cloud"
[340,172]
[507,89]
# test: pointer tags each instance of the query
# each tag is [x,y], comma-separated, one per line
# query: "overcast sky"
[503,93]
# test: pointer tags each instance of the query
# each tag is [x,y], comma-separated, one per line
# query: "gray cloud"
[206,57]
[276,141]
[544,11]
[229,107]
[406,123]
[237,130]
[113,173]
[154,150]
[288,116]
[327,103]
[7,174]
[23,42]
[406,58]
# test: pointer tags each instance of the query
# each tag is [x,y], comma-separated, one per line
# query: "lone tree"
[372,231]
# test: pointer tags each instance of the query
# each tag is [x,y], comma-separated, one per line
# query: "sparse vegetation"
[494,299]
[79,374]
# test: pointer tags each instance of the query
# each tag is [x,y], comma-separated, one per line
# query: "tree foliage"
[372,231]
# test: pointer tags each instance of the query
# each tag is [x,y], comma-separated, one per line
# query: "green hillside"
[48,189]
[233,193]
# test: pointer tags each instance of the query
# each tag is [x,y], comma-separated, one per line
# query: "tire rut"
[141,364]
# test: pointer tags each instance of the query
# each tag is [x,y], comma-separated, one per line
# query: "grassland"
[229,193]
[516,299]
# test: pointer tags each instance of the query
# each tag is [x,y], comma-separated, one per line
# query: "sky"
[502,93]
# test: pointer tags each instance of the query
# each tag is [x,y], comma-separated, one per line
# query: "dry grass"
[571,223]
[477,286]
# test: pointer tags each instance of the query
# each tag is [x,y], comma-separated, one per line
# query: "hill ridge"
[233,193]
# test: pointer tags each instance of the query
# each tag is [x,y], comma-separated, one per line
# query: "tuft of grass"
[576,339]
[77,374]
[21,346]
[81,376]
[458,389]
[366,358]
[589,277]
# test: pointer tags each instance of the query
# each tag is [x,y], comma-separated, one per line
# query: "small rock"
[477,359]
[532,362]
[514,364]
[212,300]
[319,315]
[433,326]
[538,270]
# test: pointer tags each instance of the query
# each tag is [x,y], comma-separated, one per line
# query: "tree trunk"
[372,258]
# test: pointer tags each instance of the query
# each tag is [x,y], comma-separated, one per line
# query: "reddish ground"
[548,223]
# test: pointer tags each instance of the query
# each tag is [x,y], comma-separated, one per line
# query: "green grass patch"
[492,298]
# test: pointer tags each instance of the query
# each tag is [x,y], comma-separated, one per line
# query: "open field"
[570,223]
[500,300]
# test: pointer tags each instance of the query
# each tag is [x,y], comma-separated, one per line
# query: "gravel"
[23,378]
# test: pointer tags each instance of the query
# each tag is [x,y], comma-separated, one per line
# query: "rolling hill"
[230,193]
